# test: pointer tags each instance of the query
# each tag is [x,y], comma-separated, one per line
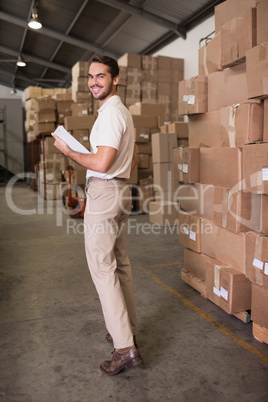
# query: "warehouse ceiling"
[77,30]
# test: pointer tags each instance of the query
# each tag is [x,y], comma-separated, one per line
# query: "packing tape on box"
[257,261]
[216,287]
[231,125]
[205,58]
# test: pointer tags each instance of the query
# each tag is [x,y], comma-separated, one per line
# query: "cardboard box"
[148,109]
[236,211]
[228,288]
[163,213]
[164,62]
[80,109]
[81,97]
[231,126]
[149,76]
[79,122]
[186,164]
[80,69]
[49,147]
[221,166]
[164,75]
[63,97]
[32,92]
[255,168]
[193,95]
[190,231]
[143,161]
[259,306]
[64,106]
[82,136]
[44,128]
[163,177]
[196,263]
[226,246]
[178,127]
[209,56]
[130,60]
[262,28]
[229,9]
[196,199]
[45,116]
[149,92]
[134,75]
[144,121]
[231,84]
[162,147]
[144,148]
[142,134]
[80,85]
[237,36]
[257,258]
[45,103]
[257,72]
[149,62]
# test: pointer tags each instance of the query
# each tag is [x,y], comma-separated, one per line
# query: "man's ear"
[116,80]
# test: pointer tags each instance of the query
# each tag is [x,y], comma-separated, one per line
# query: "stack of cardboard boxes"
[152,80]
[223,192]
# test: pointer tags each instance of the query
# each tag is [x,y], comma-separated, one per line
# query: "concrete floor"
[52,334]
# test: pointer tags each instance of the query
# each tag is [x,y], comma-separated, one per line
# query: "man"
[108,206]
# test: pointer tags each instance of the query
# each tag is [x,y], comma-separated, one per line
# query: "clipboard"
[70,140]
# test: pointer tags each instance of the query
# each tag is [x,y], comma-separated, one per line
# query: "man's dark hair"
[112,64]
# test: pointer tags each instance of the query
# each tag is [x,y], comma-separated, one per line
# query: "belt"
[92,178]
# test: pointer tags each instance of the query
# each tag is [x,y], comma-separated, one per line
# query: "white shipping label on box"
[191,100]
[185,98]
[266,268]
[185,168]
[265,174]
[257,263]
[192,235]
[186,230]
[179,166]
[216,291]
[224,293]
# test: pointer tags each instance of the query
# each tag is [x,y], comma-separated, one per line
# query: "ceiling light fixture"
[34,23]
[21,62]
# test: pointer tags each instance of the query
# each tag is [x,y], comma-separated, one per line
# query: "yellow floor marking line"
[207,317]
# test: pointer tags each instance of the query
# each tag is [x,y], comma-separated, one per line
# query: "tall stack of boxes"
[80,92]
[30,94]
[223,196]
[153,79]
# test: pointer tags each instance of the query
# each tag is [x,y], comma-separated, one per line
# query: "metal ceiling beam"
[34,59]
[179,30]
[57,35]
[19,76]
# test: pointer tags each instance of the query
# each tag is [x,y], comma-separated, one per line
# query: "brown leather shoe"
[127,357]
[109,339]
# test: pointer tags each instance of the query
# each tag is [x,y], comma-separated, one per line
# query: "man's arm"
[99,162]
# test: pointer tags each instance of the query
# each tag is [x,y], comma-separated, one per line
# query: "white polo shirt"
[114,128]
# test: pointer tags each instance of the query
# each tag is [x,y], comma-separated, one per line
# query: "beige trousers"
[107,209]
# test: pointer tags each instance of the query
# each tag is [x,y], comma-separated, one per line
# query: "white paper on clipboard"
[70,140]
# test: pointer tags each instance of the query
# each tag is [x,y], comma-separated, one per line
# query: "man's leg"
[101,230]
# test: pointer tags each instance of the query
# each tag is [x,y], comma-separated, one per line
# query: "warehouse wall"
[188,49]
[14,128]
